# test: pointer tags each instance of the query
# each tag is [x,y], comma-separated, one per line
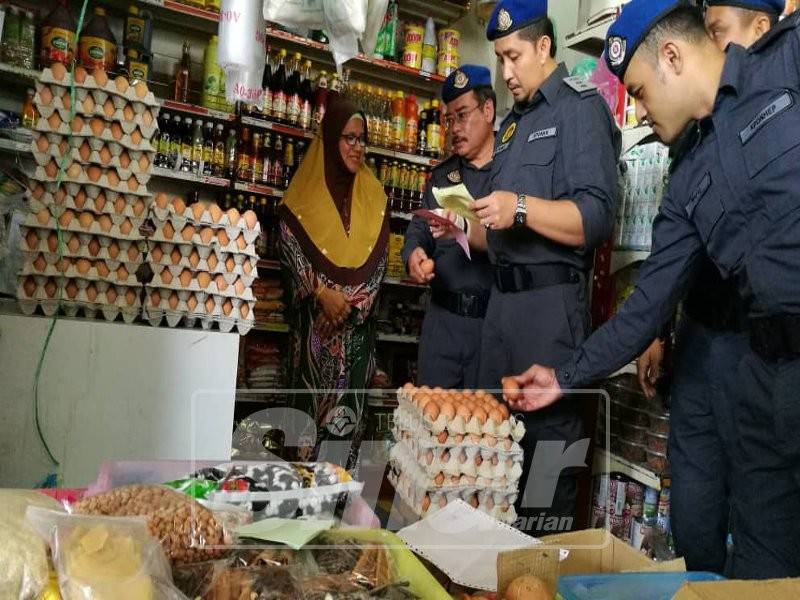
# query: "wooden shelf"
[605,462]
[257,188]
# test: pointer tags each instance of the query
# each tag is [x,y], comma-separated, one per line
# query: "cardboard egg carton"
[109,226]
[197,308]
[201,213]
[425,502]
[59,263]
[96,128]
[127,162]
[208,259]
[59,79]
[77,191]
[203,237]
[100,205]
[408,416]
[218,285]
[487,448]
[78,297]
[84,269]
[36,240]
[88,108]
[424,438]
[212,230]
[77,173]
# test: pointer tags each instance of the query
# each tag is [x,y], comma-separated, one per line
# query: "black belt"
[463,305]
[728,314]
[775,338]
[522,278]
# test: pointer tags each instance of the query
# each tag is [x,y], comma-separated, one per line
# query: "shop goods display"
[270,306]
[456,445]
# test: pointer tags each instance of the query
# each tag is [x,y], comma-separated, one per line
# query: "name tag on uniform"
[765,115]
[501,148]
[542,134]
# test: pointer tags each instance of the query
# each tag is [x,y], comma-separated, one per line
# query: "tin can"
[449,40]
[650,507]
[617,495]
[447,63]
[635,498]
[412,49]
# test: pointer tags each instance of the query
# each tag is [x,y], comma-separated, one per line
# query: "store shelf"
[191,178]
[277,127]
[268,265]
[405,156]
[633,136]
[444,12]
[18,75]
[175,13]
[591,39]
[396,338]
[271,327]
[402,283]
[624,258]
[605,462]
[257,188]
[396,214]
[7,145]
[193,109]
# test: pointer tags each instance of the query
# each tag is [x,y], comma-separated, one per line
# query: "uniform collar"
[732,70]
[548,90]
[465,164]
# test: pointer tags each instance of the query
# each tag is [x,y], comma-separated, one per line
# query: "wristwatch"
[521,215]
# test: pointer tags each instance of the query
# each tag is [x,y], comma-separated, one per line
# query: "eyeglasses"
[460,117]
[352,139]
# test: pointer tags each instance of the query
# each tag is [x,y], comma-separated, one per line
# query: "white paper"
[464,543]
[456,198]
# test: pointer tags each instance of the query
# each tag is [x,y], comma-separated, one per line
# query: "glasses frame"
[460,117]
[351,139]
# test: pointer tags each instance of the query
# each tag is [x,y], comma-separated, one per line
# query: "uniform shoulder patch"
[454,176]
[580,86]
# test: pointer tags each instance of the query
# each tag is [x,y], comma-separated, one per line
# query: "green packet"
[196,488]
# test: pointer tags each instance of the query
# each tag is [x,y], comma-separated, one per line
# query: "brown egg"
[130,297]
[166,276]
[448,411]
[161,200]
[74,171]
[187,233]
[490,441]
[100,77]
[136,137]
[222,285]
[439,480]
[66,100]
[191,303]
[102,269]
[82,266]
[216,213]
[89,105]
[133,252]
[138,208]
[496,416]
[43,216]
[46,95]
[91,292]
[121,84]
[239,288]
[250,219]
[124,159]
[51,169]
[141,89]
[59,71]
[233,216]
[194,258]
[175,256]
[113,178]
[94,247]
[223,239]
[426,503]
[480,415]
[203,279]
[40,263]
[64,264]
[147,118]
[54,121]
[230,264]
[186,278]
[227,307]
[247,267]
[38,191]
[168,230]
[198,208]
[73,244]
[144,163]
[100,202]
[71,289]
[66,218]
[97,126]
[212,261]
[85,220]
[116,131]
[157,253]
[43,144]
[80,74]
[63,147]
[206,235]
[155,298]
[503,411]
[84,151]
[50,288]
[173,301]
[127,113]
[178,205]
[78,124]
[210,305]
[241,243]
[464,412]
[431,411]
[105,156]
[244,310]
[105,223]
[111,295]
[122,273]
[119,205]
[32,240]
[126,227]
[442,437]
[113,250]
[94,173]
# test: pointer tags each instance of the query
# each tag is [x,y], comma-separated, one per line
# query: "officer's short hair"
[685,22]
[748,15]
[540,27]
[484,93]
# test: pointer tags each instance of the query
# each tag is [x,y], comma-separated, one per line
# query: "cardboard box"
[774,589]
[589,551]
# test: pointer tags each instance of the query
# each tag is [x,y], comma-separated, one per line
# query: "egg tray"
[100,205]
[76,190]
[206,259]
[423,502]
[71,221]
[76,142]
[82,269]
[199,240]
[90,83]
[181,314]
[407,416]
[88,108]
[77,174]
[109,248]
[216,286]
[178,223]
[205,217]
[470,461]
[126,162]
[423,438]
[104,303]
[131,260]
[85,131]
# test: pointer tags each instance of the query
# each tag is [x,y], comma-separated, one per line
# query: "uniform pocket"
[768,136]
[538,162]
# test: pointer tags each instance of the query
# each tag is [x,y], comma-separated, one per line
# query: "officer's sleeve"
[591,149]
[662,281]
[418,233]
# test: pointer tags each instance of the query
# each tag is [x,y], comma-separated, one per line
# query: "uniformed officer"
[449,348]
[710,344]
[554,185]
[733,193]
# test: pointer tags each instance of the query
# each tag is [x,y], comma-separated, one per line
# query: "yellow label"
[58,45]
[97,53]
[137,71]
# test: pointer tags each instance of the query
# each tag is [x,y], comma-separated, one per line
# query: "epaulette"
[580,86]
[687,142]
[768,39]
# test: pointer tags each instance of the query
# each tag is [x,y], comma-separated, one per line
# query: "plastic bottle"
[398,121]
[183,75]
[11,27]
[230,154]
[187,145]
[307,98]
[58,36]
[176,143]
[422,141]
[29,111]
[429,47]
[392,26]
[212,74]
[294,104]
[218,159]
[256,171]
[279,99]
[164,130]
[134,27]
[197,147]
[433,130]
[266,86]
[412,124]
[208,149]
[98,46]
[136,67]
[386,121]
[320,99]
[277,163]
[288,163]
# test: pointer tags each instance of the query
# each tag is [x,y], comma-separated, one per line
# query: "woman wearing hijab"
[334,231]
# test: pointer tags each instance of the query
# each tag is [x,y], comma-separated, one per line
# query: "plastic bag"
[23,554]
[100,558]
[296,13]
[242,50]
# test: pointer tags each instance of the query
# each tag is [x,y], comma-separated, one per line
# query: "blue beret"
[768,6]
[510,15]
[464,79]
[637,19]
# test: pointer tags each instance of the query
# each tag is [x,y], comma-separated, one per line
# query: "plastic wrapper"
[23,553]
[100,558]
[223,580]
[188,531]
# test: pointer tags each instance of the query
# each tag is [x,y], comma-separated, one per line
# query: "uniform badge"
[504,20]
[454,176]
[616,50]
[461,80]
[509,133]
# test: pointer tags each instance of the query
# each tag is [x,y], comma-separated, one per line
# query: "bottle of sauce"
[300,153]
[412,124]
[164,130]
[245,146]
[256,170]
[218,160]
[212,74]
[266,86]
[288,163]
[434,130]
[262,245]
[294,104]
[422,142]
[197,147]
[58,36]
[277,163]
[398,121]
[136,67]
[134,28]
[182,76]
[231,163]
[279,99]
[266,161]
[187,145]
[208,149]
[176,143]
[320,99]
[29,111]
[98,46]
[307,97]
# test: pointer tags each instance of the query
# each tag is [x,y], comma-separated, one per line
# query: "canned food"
[632,451]
[412,49]
[657,461]
[657,442]
[447,63]
[659,423]
[634,433]
[650,508]
[449,40]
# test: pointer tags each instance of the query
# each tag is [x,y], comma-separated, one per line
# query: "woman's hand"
[334,304]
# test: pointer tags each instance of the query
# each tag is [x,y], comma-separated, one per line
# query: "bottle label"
[293,108]
[266,102]
[219,157]
[305,115]
[411,135]
[279,105]
[135,31]
[434,137]
[208,155]
[164,143]
[398,130]
[258,170]
[58,45]
[197,154]
[137,71]
[266,170]
[97,53]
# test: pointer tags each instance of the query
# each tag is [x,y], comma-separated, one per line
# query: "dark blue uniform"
[563,144]
[734,194]
[449,349]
